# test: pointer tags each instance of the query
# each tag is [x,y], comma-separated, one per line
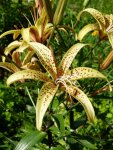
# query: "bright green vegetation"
[68,104]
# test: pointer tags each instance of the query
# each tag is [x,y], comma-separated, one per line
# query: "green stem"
[30,97]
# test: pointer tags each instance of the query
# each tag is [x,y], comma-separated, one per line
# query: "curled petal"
[83,99]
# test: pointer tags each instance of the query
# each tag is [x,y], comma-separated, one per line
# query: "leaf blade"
[30,140]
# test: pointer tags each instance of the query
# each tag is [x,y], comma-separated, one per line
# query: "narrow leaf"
[59,118]
[69,56]
[48,8]
[84,72]
[61,6]
[44,99]
[46,57]
[83,99]
[30,140]
[27,74]
[9,66]
[87,144]
[96,14]
[86,29]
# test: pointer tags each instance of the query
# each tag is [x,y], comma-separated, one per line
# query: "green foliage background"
[17,114]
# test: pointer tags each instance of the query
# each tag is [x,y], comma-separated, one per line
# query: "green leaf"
[84,72]
[48,9]
[83,142]
[61,6]
[58,147]
[87,144]
[9,66]
[9,32]
[46,57]
[96,14]
[83,99]
[86,29]
[60,122]
[68,57]
[30,140]
[27,74]
[45,97]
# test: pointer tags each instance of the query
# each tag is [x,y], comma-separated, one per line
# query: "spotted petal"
[44,99]
[25,34]
[110,37]
[28,57]
[83,99]
[46,57]
[9,66]
[27,74]
[68,57]
[86,29]
[84,72]
[13,45]
[96,14]
[10,32]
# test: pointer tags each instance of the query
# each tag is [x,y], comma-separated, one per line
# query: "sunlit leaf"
[83,99]
[59,11]
[96,14]
[30,140]
[84,72]
[41,22]
[48,8]
[9,66]
[87,144]
[44,99]
[27,74]
[9,32]
[59,118]
[46,57]
[86,29]
[69,56]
